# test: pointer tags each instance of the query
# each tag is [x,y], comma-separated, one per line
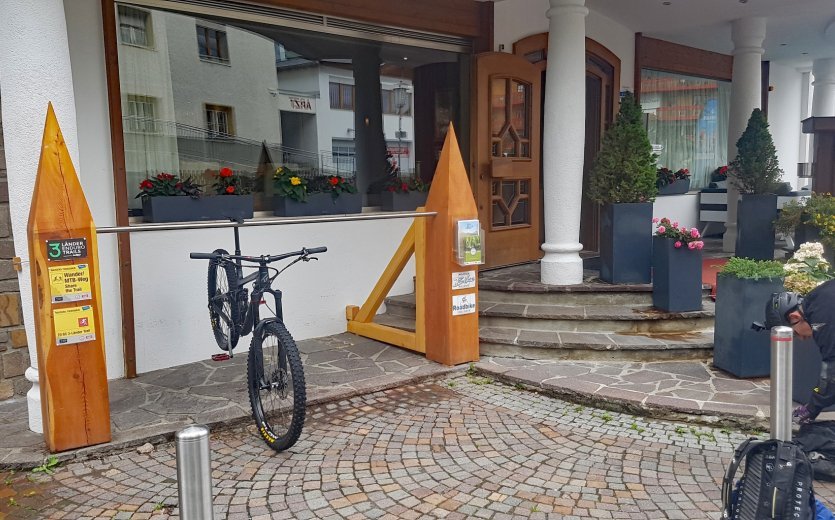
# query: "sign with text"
[297,104]
[463,280]
[463,304]
[66,249]
[70,283]
[74,325]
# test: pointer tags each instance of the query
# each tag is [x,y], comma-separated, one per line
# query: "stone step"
[621,319]
[597,346]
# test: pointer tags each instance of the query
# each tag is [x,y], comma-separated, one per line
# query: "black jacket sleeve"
[819,311]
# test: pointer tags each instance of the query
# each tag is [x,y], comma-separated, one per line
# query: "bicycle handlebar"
[258,259]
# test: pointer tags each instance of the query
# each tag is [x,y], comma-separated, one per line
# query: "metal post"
[781,383]
[194,473]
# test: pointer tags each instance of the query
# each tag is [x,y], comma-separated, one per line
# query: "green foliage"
[752,269]
[48,465]
[228,182]
[333,184]
[167,185]
[289,184]
[817,211]
[398,185]
[624,169]
[755,169]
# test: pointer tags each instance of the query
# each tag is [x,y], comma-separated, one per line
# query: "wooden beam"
[386,334]
[420,283]
[386,282]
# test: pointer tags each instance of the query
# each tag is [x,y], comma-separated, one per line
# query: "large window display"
[202,94]
[687,122]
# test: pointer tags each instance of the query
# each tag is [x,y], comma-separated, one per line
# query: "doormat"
[710,268]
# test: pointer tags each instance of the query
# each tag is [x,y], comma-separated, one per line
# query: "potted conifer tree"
[623,181]
[756,174]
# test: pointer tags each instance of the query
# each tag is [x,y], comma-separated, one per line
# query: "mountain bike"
[274,374]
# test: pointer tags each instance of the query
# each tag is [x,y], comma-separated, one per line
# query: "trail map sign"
[66,295]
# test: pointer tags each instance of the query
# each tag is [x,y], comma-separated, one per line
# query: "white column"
[804,152]
[746,95]
[563,138]
[823,95]
[34,70]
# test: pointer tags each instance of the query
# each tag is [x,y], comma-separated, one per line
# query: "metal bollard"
[194,473]
[781,383]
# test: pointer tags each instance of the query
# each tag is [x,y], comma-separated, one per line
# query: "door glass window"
[510,205]
[510,121]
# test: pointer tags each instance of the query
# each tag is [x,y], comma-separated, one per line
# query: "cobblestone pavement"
[461,447]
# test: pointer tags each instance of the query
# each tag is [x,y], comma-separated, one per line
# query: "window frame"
[228,112]
[341,89]
[124,10]
[221,44]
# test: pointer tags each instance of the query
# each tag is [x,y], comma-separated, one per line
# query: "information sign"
[70,283]
[74,325]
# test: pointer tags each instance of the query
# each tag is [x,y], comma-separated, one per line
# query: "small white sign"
[296,104]
[463,304]
[463,280]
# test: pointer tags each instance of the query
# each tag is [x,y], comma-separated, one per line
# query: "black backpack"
[776,483]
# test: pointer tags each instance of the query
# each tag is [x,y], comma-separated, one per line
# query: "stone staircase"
[520,317]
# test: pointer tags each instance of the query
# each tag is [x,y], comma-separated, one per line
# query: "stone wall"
[14,354]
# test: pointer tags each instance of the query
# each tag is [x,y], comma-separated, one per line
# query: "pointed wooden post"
[66,294]
[451,336]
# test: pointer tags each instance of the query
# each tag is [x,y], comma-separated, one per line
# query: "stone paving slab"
[692,390]
[457,448]
[153,406]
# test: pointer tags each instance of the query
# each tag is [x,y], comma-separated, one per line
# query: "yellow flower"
[280,171]
[295,181]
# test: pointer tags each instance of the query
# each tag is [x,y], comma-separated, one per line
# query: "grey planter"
[626,243]
[676,276]
[318,204]
[676,188]
[390,201]
[755,227]
[185,209]
[737,348]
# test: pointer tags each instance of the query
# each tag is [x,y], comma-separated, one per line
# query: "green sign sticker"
[65,249]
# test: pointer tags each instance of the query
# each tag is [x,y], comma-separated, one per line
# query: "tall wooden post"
[66,294]
[451,333]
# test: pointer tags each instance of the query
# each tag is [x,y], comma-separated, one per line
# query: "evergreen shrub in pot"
[743,286]
[756,174]
[623,181]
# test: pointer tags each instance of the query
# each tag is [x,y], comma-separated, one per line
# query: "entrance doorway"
[602,85]
[506,150]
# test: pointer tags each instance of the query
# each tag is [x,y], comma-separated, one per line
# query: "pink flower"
[661,229]
[691,245]
[675,224]
[699,244]
[694,233]
[677,244]
[655,220]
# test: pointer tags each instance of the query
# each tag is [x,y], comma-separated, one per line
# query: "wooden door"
[506,157]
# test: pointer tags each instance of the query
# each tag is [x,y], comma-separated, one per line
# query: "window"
[343,154]
[687,122]
[134,26]
[397,98]
[219,121]
[212,44]
[141,115]
[342,96]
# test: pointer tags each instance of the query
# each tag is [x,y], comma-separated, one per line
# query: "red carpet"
[710,267]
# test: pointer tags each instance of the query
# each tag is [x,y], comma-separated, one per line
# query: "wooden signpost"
[66,295]
[447,249]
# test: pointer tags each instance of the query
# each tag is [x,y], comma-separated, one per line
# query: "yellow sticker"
[70,283]
[74,325]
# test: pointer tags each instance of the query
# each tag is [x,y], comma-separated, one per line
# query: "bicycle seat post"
[237,241]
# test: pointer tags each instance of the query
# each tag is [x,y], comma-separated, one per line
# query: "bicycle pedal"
[221,357]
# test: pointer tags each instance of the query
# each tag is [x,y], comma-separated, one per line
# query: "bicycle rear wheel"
[222,278]
[276,386]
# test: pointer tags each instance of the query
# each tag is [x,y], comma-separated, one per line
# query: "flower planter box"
[318,204]
[676,276]
[391,201]
[678,187]
[626,243]
[737,348]
[755,227]
[184,209]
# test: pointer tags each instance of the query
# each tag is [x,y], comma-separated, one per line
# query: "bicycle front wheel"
[276,386]
[222,278]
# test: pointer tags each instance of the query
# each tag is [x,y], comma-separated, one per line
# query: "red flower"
[391,189]
[165,176]
[225,172]
[334,181]
[230,189]
[178,186]
[404,187]
[146,185]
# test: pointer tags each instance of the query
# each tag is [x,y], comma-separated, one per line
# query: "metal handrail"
[264,222]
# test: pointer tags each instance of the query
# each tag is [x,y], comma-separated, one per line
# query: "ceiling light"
[783,44]
[667,3]
[743,1]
